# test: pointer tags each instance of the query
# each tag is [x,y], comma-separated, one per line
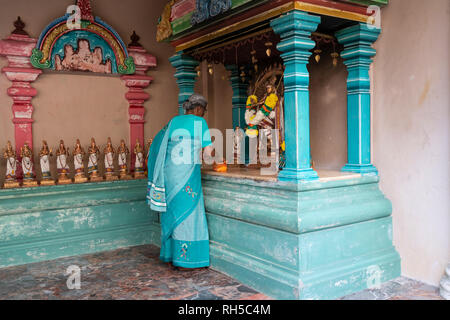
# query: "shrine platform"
[318,240]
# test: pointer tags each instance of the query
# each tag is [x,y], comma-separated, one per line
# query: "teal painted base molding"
[46,223]
[317,240]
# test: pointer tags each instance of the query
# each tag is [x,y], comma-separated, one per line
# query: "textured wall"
[328,112]
[411,131]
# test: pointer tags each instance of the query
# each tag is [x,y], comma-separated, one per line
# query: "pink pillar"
[17,49]
[136,95]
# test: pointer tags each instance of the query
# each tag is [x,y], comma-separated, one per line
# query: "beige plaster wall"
[328,112]
[72,106]
[411,131]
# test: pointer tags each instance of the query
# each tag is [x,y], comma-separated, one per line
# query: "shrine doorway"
[327,87]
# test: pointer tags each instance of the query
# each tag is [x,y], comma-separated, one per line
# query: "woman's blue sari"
[175,190]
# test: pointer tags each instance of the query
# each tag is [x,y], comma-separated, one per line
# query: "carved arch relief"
[206,9]
[92,46]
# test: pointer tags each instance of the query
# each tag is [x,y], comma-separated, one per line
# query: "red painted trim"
[21,70]
[182,8]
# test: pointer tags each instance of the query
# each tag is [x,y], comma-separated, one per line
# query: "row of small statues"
[62,154]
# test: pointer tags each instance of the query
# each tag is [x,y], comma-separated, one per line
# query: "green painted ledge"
[46,223]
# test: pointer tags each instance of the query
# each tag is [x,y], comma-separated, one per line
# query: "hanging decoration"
[269,48]
[317,55]
[210,69]
[254,59]
[324,41]
[242,74]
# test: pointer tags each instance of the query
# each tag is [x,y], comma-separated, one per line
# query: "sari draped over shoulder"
[175,190]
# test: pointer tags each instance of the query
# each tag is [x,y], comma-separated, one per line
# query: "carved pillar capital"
[17,49]
[186,76]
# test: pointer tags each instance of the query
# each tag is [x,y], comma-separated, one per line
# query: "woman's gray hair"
[194,101]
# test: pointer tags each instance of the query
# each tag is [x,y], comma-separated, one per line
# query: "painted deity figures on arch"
[78,161]
[123,152]
[44,159]
[62,154]
[109,152]
[139,163]
[11,167]
[93,171]
[27,166]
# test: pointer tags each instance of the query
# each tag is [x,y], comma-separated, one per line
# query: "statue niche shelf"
[298,233]
[63,220]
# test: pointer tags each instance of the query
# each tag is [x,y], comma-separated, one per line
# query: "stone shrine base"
[318,240]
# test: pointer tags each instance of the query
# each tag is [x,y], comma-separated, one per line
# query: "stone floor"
[137,273]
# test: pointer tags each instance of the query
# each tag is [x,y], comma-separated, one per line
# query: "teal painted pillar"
[295,29]
[239,96]
[358,52]
[239,102]
[186,76]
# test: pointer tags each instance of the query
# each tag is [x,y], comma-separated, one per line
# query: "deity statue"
[78,158]
[11,167]
[61,164]
[27,166]
[44,156]
[261,114]
[260,117]
[123,152]
[109,161]
[139,163]
[93,151]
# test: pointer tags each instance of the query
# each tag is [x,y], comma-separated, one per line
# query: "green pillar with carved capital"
[239,101]
[186,76]
[295,30]
[239,96]
[358,52]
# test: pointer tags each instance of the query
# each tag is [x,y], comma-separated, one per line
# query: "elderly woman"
[174,186]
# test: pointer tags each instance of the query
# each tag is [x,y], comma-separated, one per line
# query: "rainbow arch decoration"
[94,46]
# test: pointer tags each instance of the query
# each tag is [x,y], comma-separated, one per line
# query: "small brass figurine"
[147,153]
[238,140]
[27,166]
[139,164]
[11,167]
[78,155]
[109,161]
[61,164]
[93,151]
[123,152]
[44,156]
